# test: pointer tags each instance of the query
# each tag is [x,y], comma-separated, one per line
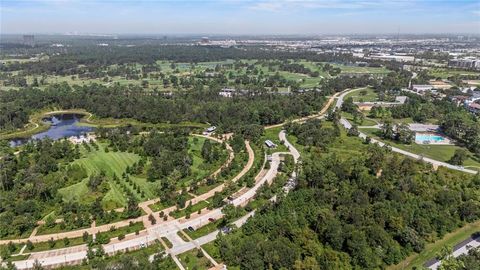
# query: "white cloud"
[277,5]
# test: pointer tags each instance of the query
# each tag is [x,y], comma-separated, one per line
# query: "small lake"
[61,126]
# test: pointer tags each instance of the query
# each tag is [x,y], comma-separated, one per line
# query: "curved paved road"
[434,162]
[167,229]
[319,114]
[144,218]
[170,228]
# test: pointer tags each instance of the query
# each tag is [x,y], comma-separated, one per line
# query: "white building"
[82,139]
[270,144]
[211,129]
[420,88]
[227,92]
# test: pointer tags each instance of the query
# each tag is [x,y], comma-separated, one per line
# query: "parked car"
[226,230]
[211,219]
[190,228]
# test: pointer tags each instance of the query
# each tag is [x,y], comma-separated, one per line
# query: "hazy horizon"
[234,17]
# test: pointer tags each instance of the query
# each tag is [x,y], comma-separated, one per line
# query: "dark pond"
[62,126]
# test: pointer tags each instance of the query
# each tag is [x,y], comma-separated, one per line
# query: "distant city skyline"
[236,17]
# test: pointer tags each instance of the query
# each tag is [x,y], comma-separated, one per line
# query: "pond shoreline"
[39,125]
[60,125]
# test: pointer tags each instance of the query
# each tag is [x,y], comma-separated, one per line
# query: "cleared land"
[367,95]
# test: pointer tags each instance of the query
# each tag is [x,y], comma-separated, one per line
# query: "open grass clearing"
[213,251]
[204,230]
[57,244]
[94,162]
[192,260]
[444,73]
[57,228]
[115,232]
[272,135]
[365,122]
[192,209]
[357,69]
[366,95]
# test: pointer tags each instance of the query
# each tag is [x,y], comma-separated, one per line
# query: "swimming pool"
[429,138]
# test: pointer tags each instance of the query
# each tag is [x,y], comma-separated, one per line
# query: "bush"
[199,253]
[51,243]
[29,245]
[85,236]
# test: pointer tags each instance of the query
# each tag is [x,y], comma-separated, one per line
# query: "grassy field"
[366,70]
[116,163]
[432,249]
[272,135]
[213,251]
[188,69]
[345,146]
[55,229]
[167,242]
[94,162]
[158,206]
[199,166]
[437,152]
[444,73]
[367,95]
[204,230]
[42,246]
[190,260]
[366,121]
[137,226]
[193,209]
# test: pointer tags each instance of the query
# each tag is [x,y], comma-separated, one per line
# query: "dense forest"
[202,105]
[363,210]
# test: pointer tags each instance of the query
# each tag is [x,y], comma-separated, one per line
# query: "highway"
[460,249]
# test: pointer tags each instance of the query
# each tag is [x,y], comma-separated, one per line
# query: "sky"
[239,17]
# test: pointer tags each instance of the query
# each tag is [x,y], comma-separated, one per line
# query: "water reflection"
[62,126]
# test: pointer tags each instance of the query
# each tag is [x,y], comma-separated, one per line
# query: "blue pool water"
[429,137]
